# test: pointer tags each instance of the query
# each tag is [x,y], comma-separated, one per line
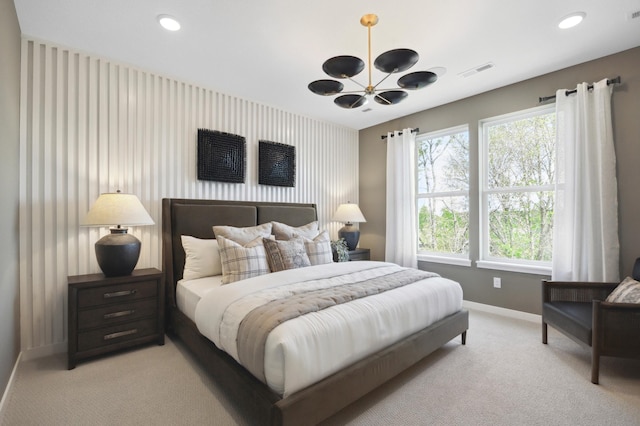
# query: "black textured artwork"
[277,164]
[221,156]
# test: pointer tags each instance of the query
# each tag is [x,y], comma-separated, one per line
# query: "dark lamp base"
[117,253]
[351,236]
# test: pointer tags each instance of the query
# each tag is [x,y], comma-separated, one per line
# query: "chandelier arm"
[351,79]
[386,101]
[350,92]
[385,77]
[355,102]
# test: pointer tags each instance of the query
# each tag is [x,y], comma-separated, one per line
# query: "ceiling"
[269,51]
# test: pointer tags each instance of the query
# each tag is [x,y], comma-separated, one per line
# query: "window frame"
[443,257]
[485,260]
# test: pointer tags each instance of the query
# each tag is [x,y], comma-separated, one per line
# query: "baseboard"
[511,313]
[43,351]
[5,395]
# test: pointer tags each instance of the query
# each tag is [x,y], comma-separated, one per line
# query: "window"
[443,193]
[517,179]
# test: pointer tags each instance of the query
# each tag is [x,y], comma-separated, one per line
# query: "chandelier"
[390,62]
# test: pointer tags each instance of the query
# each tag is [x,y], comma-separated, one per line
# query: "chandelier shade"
[417,80]
[343,66]
[396,60]
[326,87]
[390,62]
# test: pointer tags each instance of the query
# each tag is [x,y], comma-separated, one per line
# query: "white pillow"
[319,249]
[202,258]
[242,261]
[628,291]
[286,232]
[243,235]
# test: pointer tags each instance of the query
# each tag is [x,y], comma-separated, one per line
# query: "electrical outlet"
[497,282]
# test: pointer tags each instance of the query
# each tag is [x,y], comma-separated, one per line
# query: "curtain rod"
[412,131]
[569,92]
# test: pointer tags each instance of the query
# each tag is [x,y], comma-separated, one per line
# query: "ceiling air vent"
[634,15]
[479,68]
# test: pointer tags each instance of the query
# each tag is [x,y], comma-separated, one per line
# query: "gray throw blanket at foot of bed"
[256,326]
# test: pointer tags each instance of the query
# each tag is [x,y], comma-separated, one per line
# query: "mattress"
[189,293]
[306,349]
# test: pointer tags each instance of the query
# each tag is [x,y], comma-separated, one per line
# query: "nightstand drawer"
[116,334]
[113,314]
[117,293]
[360,254]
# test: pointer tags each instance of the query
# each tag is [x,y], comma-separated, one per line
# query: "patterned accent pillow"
[201,258]
[286,232]
[243,235]
[283,255]
[628,291]
[319,249]
[240,262]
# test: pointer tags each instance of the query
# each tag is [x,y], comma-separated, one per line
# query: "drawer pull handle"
[120,334]
[119,293]
[119,314]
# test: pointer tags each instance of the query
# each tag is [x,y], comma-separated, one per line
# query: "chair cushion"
[574,318]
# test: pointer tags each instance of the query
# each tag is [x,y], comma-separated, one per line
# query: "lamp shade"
[348,213]
[117,253]
[116,208]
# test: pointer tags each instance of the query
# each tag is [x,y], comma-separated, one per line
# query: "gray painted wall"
[519,291]
[9,175]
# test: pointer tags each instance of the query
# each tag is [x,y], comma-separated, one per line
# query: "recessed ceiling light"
[572,20]
[169,22]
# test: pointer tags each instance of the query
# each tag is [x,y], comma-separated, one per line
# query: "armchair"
[579,310]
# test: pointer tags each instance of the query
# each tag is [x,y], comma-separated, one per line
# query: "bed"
[307,400]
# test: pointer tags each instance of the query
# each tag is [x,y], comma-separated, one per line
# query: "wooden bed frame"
[263,406]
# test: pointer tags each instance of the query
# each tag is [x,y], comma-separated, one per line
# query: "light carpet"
[503,376]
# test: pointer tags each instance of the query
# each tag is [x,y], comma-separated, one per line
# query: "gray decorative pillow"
[243,235]
[286,232]
[240,262]
[288,254]
[628,291]
[319,249]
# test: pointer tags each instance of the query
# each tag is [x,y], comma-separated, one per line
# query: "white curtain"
[401,239]
[585,227]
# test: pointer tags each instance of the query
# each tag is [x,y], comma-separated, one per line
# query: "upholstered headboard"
[197,218]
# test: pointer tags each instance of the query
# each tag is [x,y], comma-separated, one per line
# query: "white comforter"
[309,348]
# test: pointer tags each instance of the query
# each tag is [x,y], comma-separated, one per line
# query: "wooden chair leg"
[595,364]
[544,332]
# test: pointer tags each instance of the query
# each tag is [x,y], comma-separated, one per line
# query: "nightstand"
[108,314]
[360,254]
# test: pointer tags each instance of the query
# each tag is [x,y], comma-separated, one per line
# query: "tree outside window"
[518,179]
[443,192]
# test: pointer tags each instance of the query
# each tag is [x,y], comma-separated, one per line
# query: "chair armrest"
[616,328]
[575,291]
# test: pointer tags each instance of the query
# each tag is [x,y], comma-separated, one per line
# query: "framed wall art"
[276,164]
[221,156]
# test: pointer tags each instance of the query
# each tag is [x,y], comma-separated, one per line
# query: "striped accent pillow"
[319,249]
[628,291]
[242,261]
[283,255]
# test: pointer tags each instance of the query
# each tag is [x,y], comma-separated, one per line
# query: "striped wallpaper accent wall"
[90,125]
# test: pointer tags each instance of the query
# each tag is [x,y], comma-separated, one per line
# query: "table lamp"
[118,252]
[349,213]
